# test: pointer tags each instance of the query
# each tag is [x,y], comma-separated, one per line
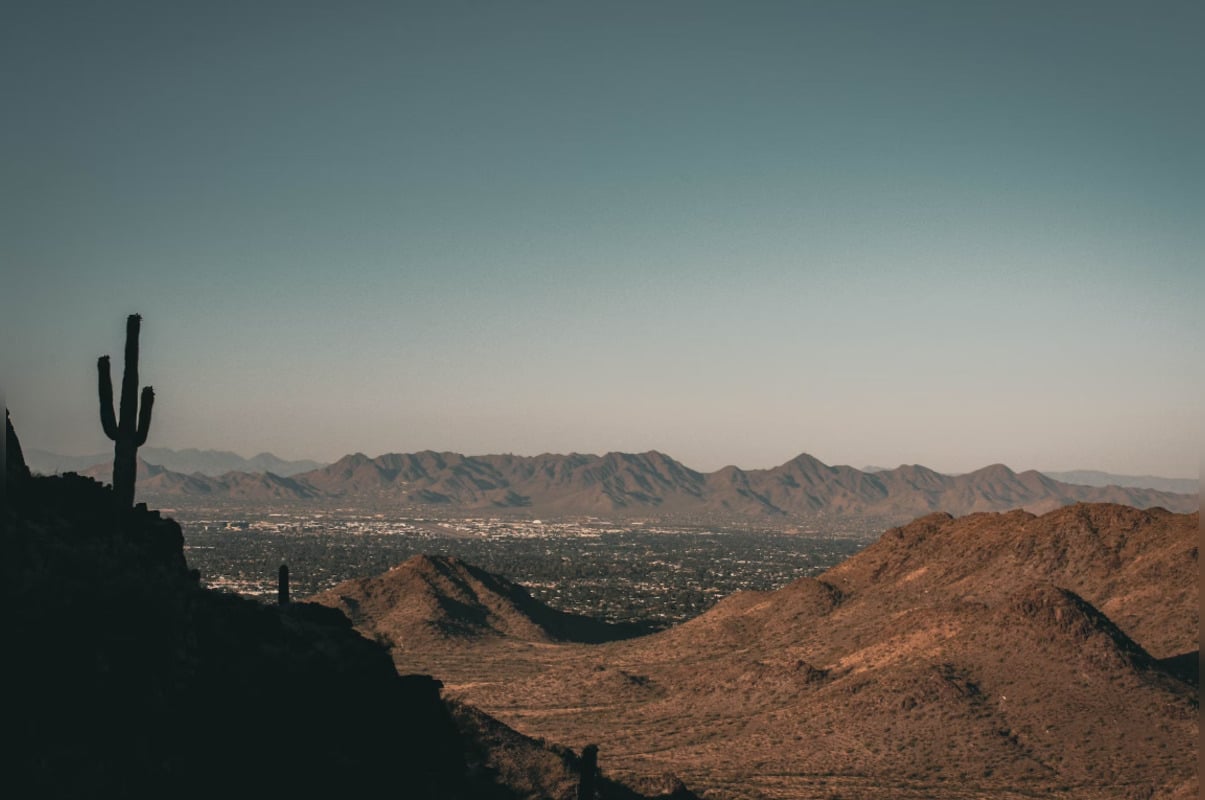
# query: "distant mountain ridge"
[1095,477]
[1092,477]
[212,463]
[652,482]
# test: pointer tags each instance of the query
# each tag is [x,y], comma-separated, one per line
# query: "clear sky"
[879,232]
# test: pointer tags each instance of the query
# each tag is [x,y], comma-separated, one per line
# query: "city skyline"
[940,234]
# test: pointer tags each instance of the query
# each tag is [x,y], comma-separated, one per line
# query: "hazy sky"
[947,233]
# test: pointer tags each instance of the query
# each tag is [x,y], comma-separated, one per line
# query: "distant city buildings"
[643,570]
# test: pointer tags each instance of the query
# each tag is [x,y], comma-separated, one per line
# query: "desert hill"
[1138,567]
[648,483]
[993,655]
[431,599]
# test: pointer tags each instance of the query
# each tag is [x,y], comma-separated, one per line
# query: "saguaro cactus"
[589,782]
[129,431]
[282,585]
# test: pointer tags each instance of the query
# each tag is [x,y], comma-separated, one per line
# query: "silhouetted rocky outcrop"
[127,678]
[15,470]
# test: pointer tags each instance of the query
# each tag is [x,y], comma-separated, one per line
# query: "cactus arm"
[107,421]
[144,416]
[129,378]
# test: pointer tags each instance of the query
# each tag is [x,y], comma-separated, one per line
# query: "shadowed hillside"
[537,770]
[136,682]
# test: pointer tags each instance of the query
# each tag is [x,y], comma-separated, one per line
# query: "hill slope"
[993,655]
[431,599]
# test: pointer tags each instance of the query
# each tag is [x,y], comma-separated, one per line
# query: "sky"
[947,233]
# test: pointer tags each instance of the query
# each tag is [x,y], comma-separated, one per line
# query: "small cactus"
[128,431]
[282,585]
[586,789]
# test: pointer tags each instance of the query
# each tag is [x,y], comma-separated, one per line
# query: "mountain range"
[993,655]
[648,483]
[188,461]
[1092,477]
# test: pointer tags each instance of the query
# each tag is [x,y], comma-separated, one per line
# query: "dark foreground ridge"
[126,678]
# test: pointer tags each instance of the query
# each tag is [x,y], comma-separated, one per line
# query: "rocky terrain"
[616,484]
[992,655]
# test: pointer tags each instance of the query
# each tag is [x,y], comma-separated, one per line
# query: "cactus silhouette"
[282,585]
[128,431]
[586,789]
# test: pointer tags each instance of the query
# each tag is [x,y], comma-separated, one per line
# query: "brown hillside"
[435,599]
[955,658]
[1139,567]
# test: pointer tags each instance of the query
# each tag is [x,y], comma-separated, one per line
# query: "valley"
[656,572]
